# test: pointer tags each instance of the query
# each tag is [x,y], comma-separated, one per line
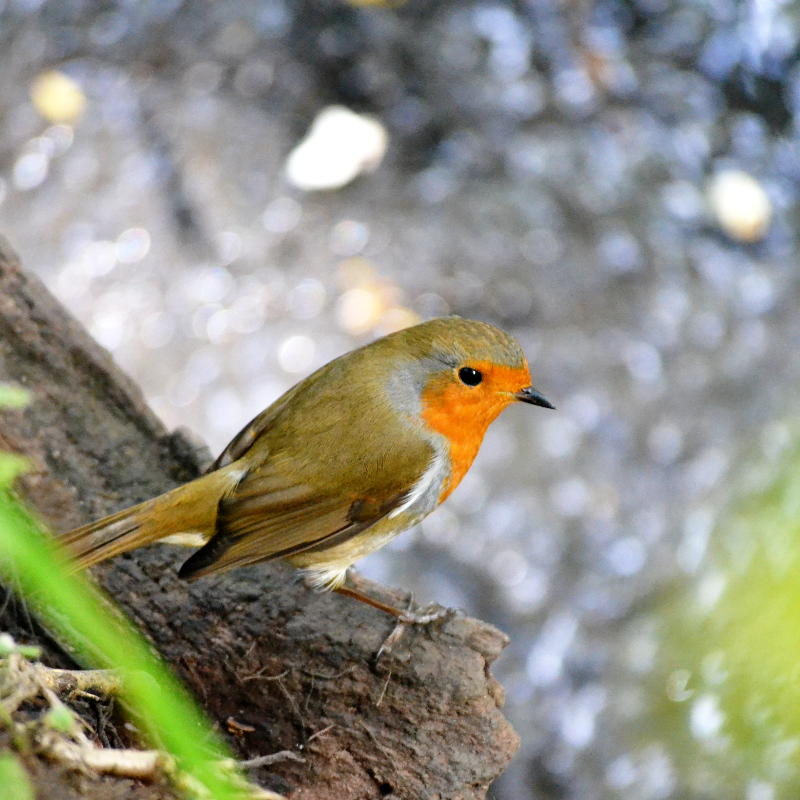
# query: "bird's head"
[459,374]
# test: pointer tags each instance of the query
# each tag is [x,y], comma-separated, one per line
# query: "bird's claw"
[433,613]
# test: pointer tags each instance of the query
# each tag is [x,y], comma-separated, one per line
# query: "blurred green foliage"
[727,670]
[12,773]
[12,396]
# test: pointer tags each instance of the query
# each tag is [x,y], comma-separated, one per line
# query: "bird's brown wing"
[266,518]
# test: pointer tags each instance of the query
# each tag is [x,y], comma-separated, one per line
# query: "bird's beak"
[530,395]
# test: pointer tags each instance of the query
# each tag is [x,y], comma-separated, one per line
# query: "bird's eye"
[470,376]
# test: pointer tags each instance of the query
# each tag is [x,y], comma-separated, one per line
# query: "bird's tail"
[188,509]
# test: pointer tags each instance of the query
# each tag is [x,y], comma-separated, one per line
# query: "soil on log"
[254,645]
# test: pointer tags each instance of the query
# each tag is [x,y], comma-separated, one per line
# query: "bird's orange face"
[461,403]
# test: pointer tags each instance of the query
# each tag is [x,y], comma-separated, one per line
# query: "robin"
[362,449]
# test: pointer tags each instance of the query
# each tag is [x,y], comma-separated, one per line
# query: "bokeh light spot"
[57,97]
[296,354]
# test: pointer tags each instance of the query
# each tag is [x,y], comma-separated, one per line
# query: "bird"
[351,456]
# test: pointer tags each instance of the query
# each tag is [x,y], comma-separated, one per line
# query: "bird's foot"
[433,613]
[405,617]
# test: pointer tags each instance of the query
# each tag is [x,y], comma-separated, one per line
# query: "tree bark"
[255,644]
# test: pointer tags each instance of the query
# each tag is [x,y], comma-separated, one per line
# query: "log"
[293,669]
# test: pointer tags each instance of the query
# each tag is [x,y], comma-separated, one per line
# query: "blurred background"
[229,194]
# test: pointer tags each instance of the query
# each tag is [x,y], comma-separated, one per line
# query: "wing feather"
[261,521]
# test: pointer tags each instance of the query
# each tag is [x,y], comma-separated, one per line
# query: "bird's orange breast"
[463,414]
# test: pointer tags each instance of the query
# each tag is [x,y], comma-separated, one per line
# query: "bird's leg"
[349,591]
[404,617]
[407,616]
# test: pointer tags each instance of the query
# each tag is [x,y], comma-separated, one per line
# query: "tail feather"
[191,508]
[109,536]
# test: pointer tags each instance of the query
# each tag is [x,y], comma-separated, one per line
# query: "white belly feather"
[422,498]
